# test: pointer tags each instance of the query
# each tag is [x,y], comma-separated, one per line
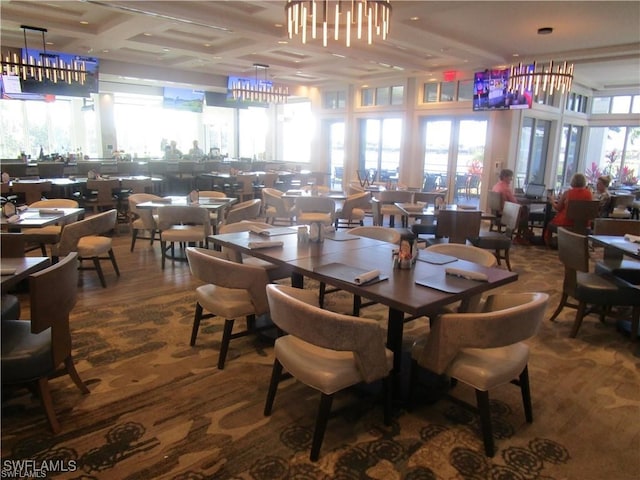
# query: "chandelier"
[533,78]
[338,18]
[45,67]
[258,90]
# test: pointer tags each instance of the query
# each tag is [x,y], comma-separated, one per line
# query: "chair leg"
[563,302]
[321,425]
[163,247]
[134,235]
[113,262]
[482,397]
[506,259]
[73,373]
[196,324]
[321,292]
[578,320]
[526,394]
[357,302]
[98,267]
[273,387]
[47,403]
[224,347]
[497,255]
[635,323]
[153,237]
[43,249]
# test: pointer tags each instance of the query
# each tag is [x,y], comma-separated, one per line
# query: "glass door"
[454,158]
[380,149]
[336,154]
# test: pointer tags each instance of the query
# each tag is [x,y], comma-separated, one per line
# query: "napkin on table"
[468,274]
[366,277]
[632,238]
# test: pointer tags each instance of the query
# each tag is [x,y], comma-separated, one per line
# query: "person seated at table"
[578,191]
[503,187]
[602,194]
[196,152]
[171,151]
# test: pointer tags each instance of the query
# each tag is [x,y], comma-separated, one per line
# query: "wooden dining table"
[615,247]
[40,217]
[400,292]
[16,269]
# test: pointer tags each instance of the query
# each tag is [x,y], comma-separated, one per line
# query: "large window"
[569,155]
[532,153]
[297,129]
[380,147]
[28,126]
[614,151]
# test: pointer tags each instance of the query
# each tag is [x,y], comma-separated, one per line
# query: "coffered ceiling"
[201,42]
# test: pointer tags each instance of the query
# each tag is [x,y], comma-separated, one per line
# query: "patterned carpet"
[159,408]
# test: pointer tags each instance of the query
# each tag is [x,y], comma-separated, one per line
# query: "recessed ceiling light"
[545,31]
[278,25]
[84,22]
[413,19]
[105,51]
[50,43]
[147,34]
[283,42]
[166,50]
[207,45]
[515,54]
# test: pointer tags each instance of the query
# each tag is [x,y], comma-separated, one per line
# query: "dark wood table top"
[41,217]
[210,203]
[618,243]
[20,268]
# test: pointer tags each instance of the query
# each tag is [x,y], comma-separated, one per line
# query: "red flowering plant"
[627,176]
[593,173]
[610,167]
[475,167]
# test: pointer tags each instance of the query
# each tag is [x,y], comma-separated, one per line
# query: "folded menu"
[467,274]
[50,211]
[162,200]
[366,277]
[7,271]
[632,238]
[265,244]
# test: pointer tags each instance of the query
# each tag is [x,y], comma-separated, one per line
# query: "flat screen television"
[183,99]
[490,92]
[11,89]
[75,88]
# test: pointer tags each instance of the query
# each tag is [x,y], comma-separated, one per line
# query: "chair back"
[315,205]
[395,196]
[53,293]
[215,268]
[95,225]
[32,191]
[268,180]
[144,214]
[510,217]
[360,200]
[505,319]
[465,252]
[296,312]
[211,194]
[582,213]
[137,185]
[494,200]
[12,245]
[105,190]
[615,226]
[248,210]
[376,212]
[458,225]
[428,197]
[385,234]
[50,169]
[171,215]
[273,198]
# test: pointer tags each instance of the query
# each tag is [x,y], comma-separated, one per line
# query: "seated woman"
[602,194]
[578,191]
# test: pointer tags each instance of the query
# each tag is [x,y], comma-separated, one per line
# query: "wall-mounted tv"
[490,92]
[75,88]
[11,89]
[183,99]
